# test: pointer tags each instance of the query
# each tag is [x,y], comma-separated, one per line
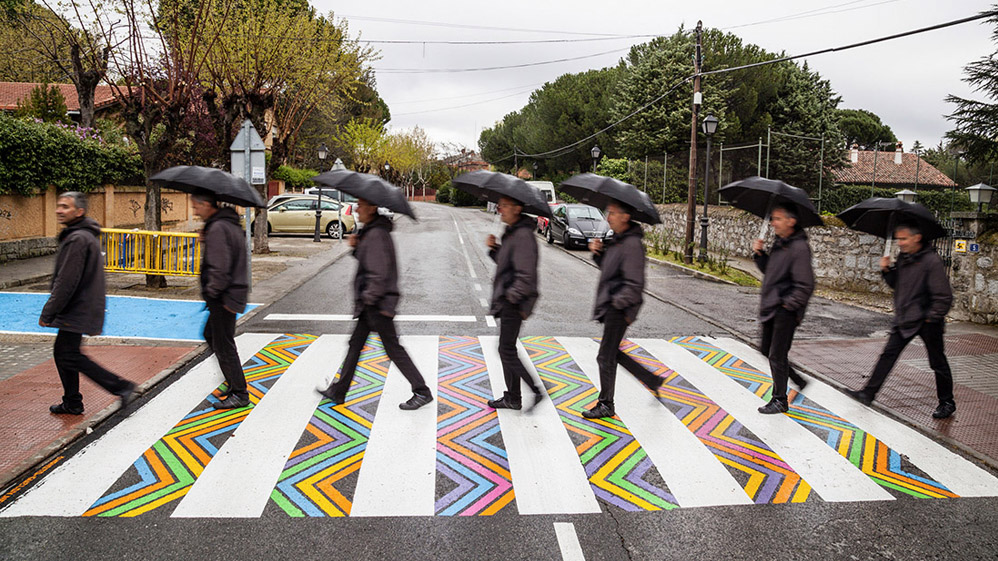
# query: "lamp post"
[535,170]
[956,181]
[906,195]
[595,153]
[709,128]
[322,152]
[981,195]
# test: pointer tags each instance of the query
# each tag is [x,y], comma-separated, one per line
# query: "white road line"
[694,476]
[348,317]
[833,477]
[464,250]
[398,477]
[568,542]
[73,486]
[478,287]
[490,321]
[548,477]
[958,474]
[238,481]
[483,302]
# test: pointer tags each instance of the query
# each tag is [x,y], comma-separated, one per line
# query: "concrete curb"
[692,272]
[22,282]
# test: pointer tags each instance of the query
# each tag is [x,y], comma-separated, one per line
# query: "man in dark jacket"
[376,295]
[618,299]
[922,297]
[787,284]
[76,305]
[514,293]
[225,288]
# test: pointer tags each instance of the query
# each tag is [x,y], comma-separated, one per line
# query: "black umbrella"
[759,196]
[879,216]
[371,188]
[492,186]
[599,191]
[225,186]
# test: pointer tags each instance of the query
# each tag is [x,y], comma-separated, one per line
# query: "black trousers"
[777,337]
[220,334]
[372,320]
[932,336]
[610,355]
[513,370]
[70,362]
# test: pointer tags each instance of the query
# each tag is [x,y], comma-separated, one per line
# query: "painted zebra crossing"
[698,442]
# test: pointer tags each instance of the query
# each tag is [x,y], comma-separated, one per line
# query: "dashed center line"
[568,542]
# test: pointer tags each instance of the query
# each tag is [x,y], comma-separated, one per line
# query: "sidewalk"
[29,382]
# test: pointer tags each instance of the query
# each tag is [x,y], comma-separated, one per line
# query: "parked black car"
[574,225]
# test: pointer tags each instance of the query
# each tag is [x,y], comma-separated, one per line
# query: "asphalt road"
[445,271]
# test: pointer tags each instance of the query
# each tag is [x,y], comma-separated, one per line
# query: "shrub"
[34,155]
[460,198]
[839,198]
[45,102]
[443,193]
[295,178]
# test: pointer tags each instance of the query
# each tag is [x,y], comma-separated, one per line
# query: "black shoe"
[600,411]
[944,410]
[232,402]
[61,409]
[336,398]
[538,397]
[224,394]
[127,395]
[656,385]
[860,396]
[801,385]
[774,407]
[415,402]
[505,402]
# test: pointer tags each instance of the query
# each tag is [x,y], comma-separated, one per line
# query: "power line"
[484,69]
[470,26]
[462,106]
[509,42]
[467,95]
[811,13]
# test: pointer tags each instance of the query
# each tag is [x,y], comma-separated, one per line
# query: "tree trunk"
[86,84]
[153,221]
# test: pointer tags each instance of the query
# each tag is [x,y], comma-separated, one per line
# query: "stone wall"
[845,259]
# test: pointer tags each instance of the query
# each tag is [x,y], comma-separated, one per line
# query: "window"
[330,205]
[585,212]
[300,204]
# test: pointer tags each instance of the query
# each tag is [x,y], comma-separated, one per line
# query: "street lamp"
[709,128]
[535,170]
[956,175]
[906,195]
[595,153]
[321,152]
[981,195]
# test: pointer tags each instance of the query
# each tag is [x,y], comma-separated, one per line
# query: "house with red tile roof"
[467,160]
[12,92]
[896,169]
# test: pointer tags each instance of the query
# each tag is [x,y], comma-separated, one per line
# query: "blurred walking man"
[922,297]
[225,288]
[376,295]
[787,284]
[514,293]
[618,299]
[76,305]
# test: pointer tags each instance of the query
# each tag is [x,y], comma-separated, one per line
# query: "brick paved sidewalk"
[31,433]
[910,390]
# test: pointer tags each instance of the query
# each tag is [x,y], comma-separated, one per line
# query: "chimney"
[899,154]
[854,153]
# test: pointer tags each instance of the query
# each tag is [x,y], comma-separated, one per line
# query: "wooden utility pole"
[691,197]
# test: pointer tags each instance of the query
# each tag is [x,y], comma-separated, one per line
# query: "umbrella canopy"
[225,186]
[759,196]
[879,216]
[371,188]
[599,191]
[492,186]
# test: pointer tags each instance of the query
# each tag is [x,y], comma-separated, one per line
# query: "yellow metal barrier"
[154,253]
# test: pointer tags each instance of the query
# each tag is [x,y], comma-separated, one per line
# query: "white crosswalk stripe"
[400,474]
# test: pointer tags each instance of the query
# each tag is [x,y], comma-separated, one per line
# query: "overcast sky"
[904,81]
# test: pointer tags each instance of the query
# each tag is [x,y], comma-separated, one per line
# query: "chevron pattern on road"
[698,443]
[168,469]
[618,468]
[881,463]
[319,477]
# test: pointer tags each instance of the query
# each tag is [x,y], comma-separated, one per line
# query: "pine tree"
[45,102]
[977,121]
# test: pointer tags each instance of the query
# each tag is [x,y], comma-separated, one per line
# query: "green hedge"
[34,155]
[443,193]
[837,199]
[295,177]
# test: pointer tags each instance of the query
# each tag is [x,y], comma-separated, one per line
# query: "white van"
[546,188]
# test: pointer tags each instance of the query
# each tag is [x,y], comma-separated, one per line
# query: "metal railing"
[154,253]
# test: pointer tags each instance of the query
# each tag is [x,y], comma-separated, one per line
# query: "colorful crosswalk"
[696,442]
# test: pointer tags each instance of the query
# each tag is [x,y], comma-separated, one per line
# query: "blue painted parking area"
[127,316]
